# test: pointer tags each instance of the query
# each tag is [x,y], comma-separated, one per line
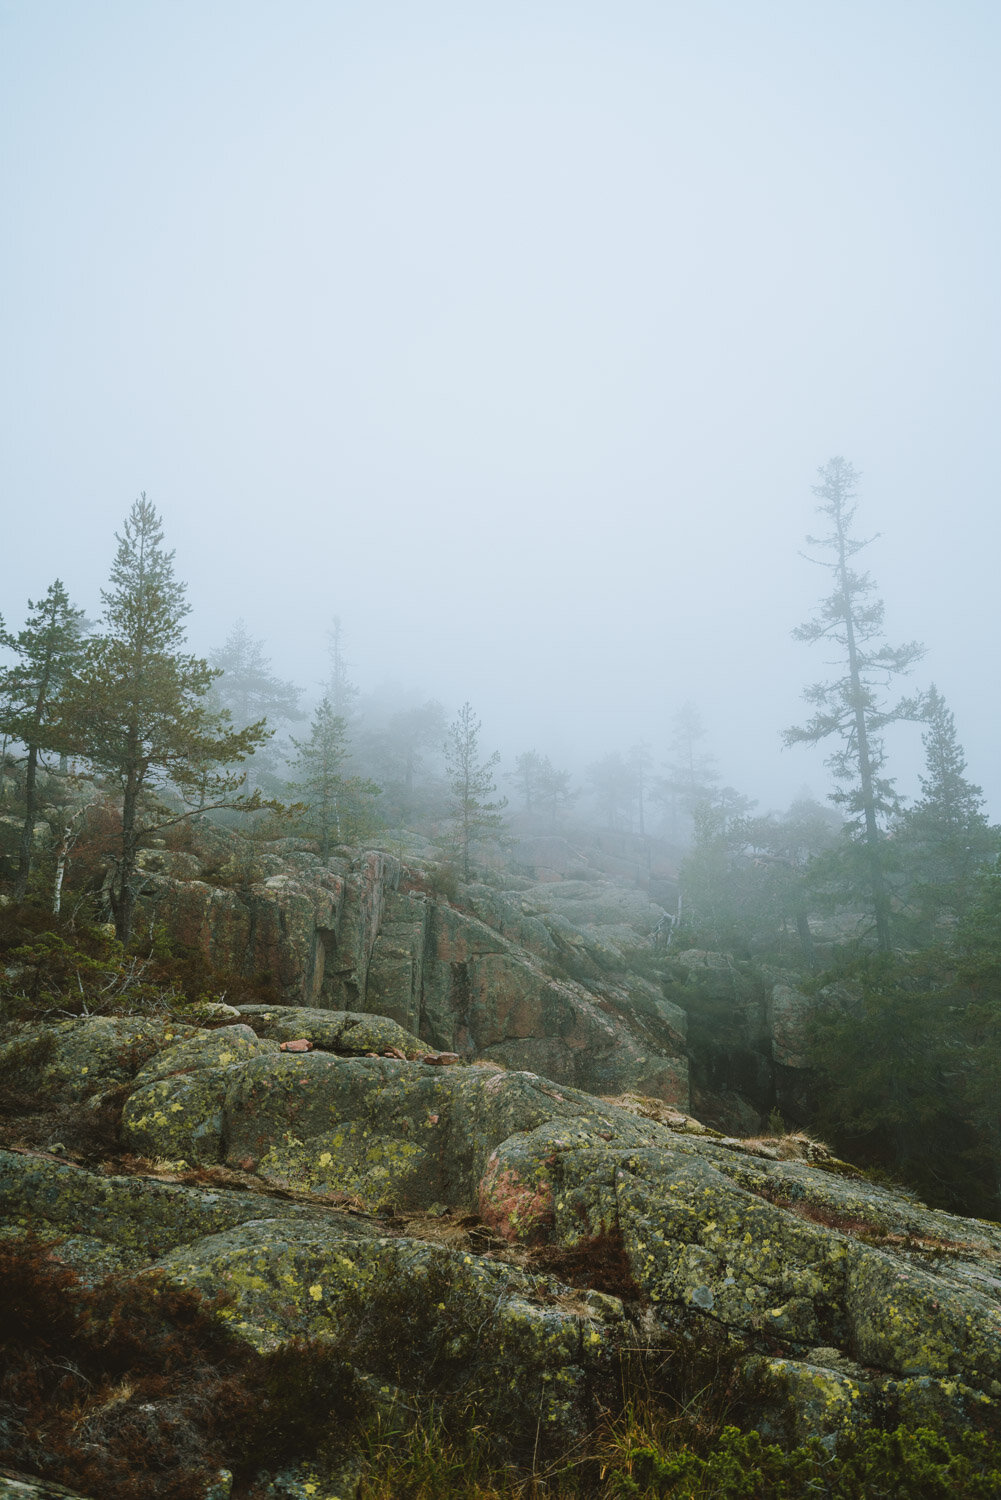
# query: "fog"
[514,335]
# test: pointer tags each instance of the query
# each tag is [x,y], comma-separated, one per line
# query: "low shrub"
[133,1389]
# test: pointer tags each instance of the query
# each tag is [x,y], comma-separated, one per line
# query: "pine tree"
[143,705]
[528,773]
[336,805]
[852,708]
[613,786]
[691,777]
[543,789]
[715,890]
[472,783]
[48,649]
[248,689]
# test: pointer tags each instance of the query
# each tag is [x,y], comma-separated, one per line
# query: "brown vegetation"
[134,1390]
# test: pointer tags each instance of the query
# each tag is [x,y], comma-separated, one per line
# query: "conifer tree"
[528,775]
[247,687]
[692,775]
[945,837]
[341,691]
[143,705]
[47,651]
[472,782]
[542,787]
[613,786]
[249,690]
[336,805]
[853,708]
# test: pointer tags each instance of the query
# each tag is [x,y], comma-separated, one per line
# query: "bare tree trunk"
[62,850]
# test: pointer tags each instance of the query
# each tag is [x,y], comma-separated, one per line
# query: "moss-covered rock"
[76,1059]
[131,1220]
[349,1033]
[423,1317]
[842,1297]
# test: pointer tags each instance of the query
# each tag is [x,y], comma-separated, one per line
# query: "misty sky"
[514,335]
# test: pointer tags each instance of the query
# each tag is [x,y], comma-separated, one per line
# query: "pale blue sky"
[514,334]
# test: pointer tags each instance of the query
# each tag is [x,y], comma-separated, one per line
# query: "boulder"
[844,1299]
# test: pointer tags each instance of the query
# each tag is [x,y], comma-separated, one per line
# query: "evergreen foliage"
[896,1046]
[338,807]
[716,878]
[471,781]
[251,694]
[613,785]
[402,752]
[544,791]
[853,707]
[47,653]
[341,691]
[945,838]
[138,706]
[692,775]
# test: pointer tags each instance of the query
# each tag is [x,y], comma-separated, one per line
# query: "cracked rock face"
[844,1298]
[531,979]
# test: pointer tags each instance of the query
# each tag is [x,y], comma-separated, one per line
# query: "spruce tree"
[612,781]
[340,689]
[247,687]
[853,708]
[945,837]
[47,650]
[543,789]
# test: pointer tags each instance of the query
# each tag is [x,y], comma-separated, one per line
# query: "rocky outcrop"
[330,1188]
[532,977]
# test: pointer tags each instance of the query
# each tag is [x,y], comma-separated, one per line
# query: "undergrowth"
[60,966]
[642,1456]
[133,1389]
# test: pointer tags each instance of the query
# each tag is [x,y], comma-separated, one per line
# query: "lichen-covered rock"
[374,877]
[129,1220]
[206,1049]
[788,1012]
[281,925]
[533,977]
[484,997]
[74,1060]
[395,979]
[419,1313]
[847,1300]
[349,1033]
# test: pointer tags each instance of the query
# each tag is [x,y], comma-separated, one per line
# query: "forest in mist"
[499,728]
[514,339]
[114,736]
[566,422]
